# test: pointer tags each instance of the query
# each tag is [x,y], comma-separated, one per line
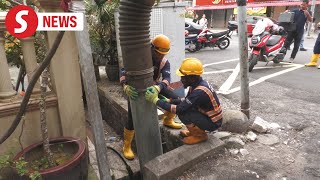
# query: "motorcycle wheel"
[224,43]
[276,60]
[192,47]
[253,61]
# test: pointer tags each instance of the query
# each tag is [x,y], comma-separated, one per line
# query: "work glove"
[152,97]
[154,88]
[163,98]
[130,91]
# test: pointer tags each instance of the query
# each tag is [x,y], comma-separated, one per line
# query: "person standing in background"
[196,19]
[203,21]
[302,40]
[301,16]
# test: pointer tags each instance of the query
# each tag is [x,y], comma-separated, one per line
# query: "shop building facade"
[219,12]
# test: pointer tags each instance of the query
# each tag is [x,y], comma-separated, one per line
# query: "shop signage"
[224,2]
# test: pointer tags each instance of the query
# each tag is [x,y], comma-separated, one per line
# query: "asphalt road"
[287,94]
[302,78]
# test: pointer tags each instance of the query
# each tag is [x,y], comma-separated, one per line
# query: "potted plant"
[102,32]
[69,155]
[71,161]
[57,158]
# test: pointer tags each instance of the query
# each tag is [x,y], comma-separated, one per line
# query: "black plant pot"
[113,72]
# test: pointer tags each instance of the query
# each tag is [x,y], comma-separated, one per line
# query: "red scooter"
[267,43]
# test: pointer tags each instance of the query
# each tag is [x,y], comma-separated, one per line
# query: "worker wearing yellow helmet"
[200,110]
[160,46]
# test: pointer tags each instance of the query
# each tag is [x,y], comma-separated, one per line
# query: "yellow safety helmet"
[190,66]
[161,43]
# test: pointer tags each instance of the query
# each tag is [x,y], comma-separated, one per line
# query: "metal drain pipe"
[134,24]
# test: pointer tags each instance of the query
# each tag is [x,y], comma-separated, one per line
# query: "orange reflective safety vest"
[202,98]
[215,112]
[164,71]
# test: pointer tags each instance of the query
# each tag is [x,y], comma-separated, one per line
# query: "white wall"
[168,19]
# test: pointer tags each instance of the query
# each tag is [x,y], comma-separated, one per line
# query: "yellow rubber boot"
[313,62]
[127,140]
[168,120]
[196,136]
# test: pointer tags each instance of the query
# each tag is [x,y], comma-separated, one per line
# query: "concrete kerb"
[173,163]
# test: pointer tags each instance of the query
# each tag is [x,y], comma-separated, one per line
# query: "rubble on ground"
[274,126]
[222,135]
[268,139]
[234,142]
[234,151]
[260,125]
[251,136]
[244,152]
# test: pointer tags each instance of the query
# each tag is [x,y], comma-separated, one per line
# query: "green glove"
[154,88]
[130,91]
[163,98]
[152,97]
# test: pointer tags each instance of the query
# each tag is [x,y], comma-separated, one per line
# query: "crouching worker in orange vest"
[160,46]
[200,110]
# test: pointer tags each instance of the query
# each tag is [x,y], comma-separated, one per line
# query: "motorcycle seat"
[219,34]
[273,40]
[191,36]
[194,25]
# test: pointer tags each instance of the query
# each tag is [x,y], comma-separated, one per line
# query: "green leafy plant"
[102,32]
[35,175]
[21,166]
[4,161]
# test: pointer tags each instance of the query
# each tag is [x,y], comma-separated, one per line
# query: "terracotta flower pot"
[76,168]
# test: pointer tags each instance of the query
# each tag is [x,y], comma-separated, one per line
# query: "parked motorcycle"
[208,39]
[193,28]
[267,43]
[191,42]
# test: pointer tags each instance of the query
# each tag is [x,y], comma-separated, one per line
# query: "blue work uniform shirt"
[300,19]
